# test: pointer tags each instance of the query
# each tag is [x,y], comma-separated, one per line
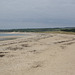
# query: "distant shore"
[65,29]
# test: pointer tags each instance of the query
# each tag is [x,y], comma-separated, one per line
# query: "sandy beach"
[38,54]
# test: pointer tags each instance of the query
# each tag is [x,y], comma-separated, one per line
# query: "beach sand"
[38,54]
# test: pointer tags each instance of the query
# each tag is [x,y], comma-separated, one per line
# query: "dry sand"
[38,54]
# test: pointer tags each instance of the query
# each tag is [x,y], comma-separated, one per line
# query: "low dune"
[38,54]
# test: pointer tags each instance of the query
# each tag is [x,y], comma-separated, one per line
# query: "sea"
[10,34]
[3,35]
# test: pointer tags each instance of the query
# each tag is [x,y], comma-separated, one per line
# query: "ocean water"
[10,34]
[6,34]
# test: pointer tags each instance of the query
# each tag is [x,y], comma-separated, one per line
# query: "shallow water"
[6,34]
[10,34]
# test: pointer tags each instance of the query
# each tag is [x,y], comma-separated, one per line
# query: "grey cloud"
[45,12]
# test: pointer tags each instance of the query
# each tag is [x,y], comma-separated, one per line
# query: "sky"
[36,13]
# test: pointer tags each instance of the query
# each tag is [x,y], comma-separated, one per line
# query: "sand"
[38,54]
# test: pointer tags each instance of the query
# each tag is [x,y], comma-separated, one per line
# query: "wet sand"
[38,54]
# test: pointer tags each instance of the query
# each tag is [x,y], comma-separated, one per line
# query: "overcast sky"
[37,13]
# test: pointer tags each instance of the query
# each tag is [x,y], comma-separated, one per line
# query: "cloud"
[37,11]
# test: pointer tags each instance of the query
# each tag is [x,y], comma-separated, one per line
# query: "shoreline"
[12,35]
